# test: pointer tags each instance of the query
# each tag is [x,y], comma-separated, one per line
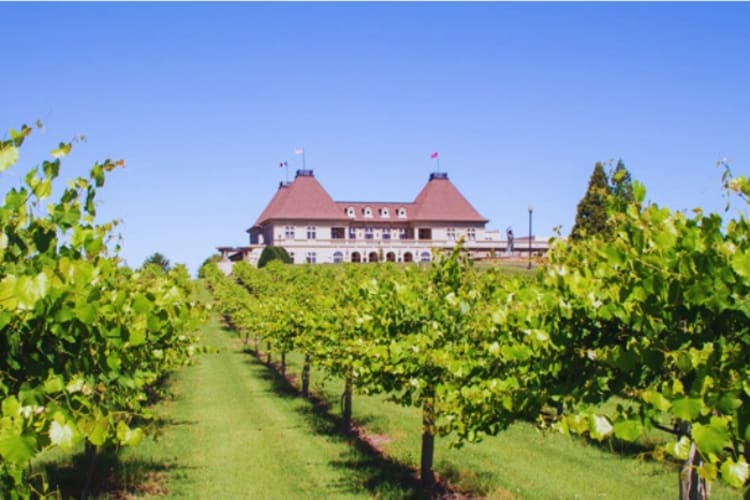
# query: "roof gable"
[439,200]
[304,198]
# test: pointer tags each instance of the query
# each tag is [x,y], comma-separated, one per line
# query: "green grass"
[234,429]
[521,462]
[237,431]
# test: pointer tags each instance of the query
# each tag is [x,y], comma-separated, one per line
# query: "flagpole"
[436,157]
[301,151]
[286,167]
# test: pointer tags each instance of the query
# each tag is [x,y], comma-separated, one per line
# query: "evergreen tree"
[157,259]
[622,185]
[591,218]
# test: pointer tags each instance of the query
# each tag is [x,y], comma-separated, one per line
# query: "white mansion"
[312,227]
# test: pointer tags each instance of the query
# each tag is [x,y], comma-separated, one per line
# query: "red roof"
[439,200]
[305,198]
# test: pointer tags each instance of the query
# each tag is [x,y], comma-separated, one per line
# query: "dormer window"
[350,212]
[384,212]
[367,212]
[401,212]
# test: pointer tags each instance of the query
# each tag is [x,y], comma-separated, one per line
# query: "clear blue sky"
[204,100]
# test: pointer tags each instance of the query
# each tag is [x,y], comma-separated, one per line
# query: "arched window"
[425,257]
[350,212]
[338,257]
[384,212]
[408,257]
[356,257]
[401,212]
[373,257]
[367,211]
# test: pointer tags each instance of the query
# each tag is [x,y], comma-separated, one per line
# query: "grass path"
[238,431]
[235,434]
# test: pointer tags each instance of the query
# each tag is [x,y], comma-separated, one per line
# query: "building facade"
[313,228]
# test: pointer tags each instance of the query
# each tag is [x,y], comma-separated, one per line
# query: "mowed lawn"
[235,433]
[236,430]
[521,462]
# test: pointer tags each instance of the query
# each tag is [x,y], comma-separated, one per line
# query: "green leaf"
[735,473]
[53,384]
[127,436]
[628,430]
[741,264]
[707,471]
[95,429]
[729,403]
[687,408]
[62,150]
[657,400]
[8,298]
[8,157]
[16,448]
[137,334]
[711,438]
[86,313]
[142,305]
[30,290]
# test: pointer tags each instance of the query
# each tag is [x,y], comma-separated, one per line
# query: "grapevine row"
[84,340]
[658,315]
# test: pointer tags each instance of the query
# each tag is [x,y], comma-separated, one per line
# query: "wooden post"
[306,376]
[283,364]
[426,474]
[692,487]
[346,411]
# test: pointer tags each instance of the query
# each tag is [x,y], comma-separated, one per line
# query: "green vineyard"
[633,345]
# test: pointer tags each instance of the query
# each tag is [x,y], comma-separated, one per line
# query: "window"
[289,232]
[402,233]
[451,233]
[350,212]
[338,233]
[310,232]
[310,257]
[425,257]
[471,233]
[401,212]
[384,212]
[368,233]
[338,257]
[386,234]
[425,233]
[352,233]
[367,211]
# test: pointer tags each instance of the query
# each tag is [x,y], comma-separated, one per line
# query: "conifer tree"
[622,185]
[591,218]
[159,260]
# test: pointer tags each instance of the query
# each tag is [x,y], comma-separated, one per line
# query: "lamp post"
[531,210]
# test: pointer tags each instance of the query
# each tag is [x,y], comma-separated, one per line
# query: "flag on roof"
[434,155]
[299,151]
